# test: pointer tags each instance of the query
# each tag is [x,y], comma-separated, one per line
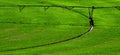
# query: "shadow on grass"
[65,7]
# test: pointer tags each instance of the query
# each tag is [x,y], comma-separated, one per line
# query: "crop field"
[59,30]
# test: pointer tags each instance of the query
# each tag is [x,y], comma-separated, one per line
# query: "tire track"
[89,30]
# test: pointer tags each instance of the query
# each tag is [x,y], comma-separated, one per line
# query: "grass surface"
[57,24]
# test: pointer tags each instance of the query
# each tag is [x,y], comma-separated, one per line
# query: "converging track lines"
[90,17]
[56,42]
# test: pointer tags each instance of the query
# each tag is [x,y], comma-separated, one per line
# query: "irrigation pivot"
[46,7]
[22,6]
[39,5]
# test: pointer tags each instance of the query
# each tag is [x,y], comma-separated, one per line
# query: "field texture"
[24,32]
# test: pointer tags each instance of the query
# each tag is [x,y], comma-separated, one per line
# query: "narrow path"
[89,30]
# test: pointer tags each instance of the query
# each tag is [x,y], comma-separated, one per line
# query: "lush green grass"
[57,24]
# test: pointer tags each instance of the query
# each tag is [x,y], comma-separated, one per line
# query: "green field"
[56,24]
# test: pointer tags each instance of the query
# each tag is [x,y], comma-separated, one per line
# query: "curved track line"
[89,30]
